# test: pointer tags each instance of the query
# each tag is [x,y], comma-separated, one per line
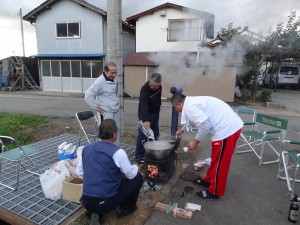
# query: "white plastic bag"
[78,154]
[51,180]
[79,169]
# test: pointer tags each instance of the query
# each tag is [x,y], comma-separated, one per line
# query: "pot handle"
[146,140]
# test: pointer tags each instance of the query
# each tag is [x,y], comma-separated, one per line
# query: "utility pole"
[114,47]
[22,32]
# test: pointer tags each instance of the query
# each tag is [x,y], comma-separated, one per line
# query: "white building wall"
[152,33]
[91,30]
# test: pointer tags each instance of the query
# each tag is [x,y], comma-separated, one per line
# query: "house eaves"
[132,19]
[32,15]
[139,59]
[248,32]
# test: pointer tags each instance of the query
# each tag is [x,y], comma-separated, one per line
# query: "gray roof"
[32,15]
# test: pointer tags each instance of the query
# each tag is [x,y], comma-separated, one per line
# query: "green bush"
[265,95]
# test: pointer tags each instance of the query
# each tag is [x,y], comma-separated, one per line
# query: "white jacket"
[216,116]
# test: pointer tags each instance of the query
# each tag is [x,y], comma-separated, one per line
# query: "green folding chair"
[248,116]
[18,155]
[289,163]
[262,134]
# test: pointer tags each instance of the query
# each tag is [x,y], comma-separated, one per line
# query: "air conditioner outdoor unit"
[163,13]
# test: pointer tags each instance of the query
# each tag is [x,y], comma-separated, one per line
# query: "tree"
[226,35]
[279,45]
[232,38]
[283,43]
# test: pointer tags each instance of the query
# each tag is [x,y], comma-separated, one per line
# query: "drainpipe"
[174,120]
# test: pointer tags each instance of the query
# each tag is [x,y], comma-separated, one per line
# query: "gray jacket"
[103,94]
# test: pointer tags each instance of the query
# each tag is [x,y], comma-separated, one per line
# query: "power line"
[243,13]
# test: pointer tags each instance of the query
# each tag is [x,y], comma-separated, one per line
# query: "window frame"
[186,29]
[47,63]
[68,37]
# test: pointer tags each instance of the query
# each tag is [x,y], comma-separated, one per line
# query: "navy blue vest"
[101,176]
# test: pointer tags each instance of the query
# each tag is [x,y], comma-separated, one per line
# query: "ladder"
[28,80]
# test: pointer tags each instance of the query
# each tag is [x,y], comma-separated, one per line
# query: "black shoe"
[207,196]
[140,161]
[201,183]
[122,213]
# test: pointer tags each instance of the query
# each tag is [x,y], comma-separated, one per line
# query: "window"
[67,30]
[86,69]
[286,70]
[97,68]
[46,68]
[75,65]
[55,69]
[91,69]
[184,30]
[72,68]
[65,69]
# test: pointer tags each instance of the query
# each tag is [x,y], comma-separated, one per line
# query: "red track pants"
[221,154]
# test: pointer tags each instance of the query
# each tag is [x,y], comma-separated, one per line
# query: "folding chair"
[248,117]
[18,155]
[259,136]
[289,163]
[89,125]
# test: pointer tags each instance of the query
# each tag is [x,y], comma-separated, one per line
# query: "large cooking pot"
[170,139]
[158,150]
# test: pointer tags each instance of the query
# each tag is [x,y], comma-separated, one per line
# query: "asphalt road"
[66,105]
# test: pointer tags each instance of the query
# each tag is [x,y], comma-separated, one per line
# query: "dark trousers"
[126,198]
[139,150]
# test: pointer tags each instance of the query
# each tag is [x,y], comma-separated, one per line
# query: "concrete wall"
[91,30]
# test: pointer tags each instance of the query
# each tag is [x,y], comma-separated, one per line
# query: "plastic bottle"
[294,210]
[61,147]
[73,149]
[207,161]
[148,132]
[67,148]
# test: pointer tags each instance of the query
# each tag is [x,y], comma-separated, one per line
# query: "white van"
[288,75]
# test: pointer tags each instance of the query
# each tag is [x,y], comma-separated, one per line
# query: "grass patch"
[20,127]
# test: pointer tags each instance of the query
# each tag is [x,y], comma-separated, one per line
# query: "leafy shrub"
[265,95]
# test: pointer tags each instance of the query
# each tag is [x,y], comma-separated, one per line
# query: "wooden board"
[186,214]
[12,218]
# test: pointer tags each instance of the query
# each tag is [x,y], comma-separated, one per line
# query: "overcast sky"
[258,15]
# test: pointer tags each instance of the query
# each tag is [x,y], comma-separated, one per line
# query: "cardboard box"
[72,189]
